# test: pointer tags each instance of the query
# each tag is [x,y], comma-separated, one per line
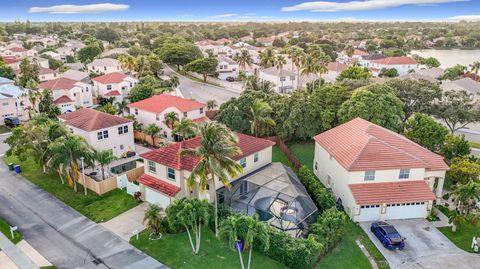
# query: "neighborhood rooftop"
[88,119]
[159,103]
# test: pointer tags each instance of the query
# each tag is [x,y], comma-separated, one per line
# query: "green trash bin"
[11,166]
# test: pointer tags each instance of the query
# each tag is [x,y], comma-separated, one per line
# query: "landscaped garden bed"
[466,230]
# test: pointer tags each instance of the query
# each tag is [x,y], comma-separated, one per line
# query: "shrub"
[330,227]
[320,195]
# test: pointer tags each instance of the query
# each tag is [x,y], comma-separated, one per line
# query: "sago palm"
[153,219]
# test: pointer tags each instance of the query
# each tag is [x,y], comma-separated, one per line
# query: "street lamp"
[83,176]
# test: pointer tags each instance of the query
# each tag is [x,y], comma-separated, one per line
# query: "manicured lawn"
[279,157]
[4,130]
[304,151]
[5,229]
[98,208]
[174,250]
[464,234]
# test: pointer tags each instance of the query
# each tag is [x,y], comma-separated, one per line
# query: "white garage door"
[406,210]
[155,197]
[369,213]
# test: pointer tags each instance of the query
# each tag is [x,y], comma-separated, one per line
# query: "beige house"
[117,85]
[68,94]
[13,101]
[377,174]
[104,65]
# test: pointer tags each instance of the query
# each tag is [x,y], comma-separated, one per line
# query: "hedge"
[320,195]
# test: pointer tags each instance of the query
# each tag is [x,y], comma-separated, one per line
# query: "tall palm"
[104,158]
[33,93]
[267,58]
[260,116]
[475,67]
[66,151]
[217,147]
[153,131]
[171,118]
[121,107]
[243,59]
[142,64]
[253,83]
[185,128]
[349,50]
[296,54]
[466,193]
[280,61]
[153,219]
[212,104]
[309,66]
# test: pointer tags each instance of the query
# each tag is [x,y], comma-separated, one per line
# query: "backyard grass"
[304,151]
[174,251]
[464,234]
[5,229]
[98,208]
[4,130]
[279,157]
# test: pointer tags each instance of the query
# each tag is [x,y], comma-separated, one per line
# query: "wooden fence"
[135,173]
[144,137]
[211,114]
[99,187]
[283,148]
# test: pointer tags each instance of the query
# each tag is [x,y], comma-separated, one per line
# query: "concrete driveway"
[426,248]
[124,224]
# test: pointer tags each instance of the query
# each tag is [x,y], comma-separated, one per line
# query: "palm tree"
[170,119]
[121,107]
[153,220]
[248,229]
[260,116]
[349,50]
[212,104]
[217,146]
[174,82]
[243,59]
[267,58]
[33,94]
[153,131]
[279,63]
[296,54]
[309,66]
[466,193]
[455,218]
[142,65]
[253,83]
[185,128]
[104,158]
[475,67]
[66,151]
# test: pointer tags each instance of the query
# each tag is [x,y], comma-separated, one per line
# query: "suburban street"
[201,92]
[62,235]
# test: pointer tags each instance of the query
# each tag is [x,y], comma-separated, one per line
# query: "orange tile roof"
[201,119]
[10,60]
[88,119]
[159,103]
[336,66]
[44,70]
[391,192]
[159,185]
[62,100]
[18,49]
[110,78]
[395,60]
[359,145]
[169,155]
[113,93]
[58,84]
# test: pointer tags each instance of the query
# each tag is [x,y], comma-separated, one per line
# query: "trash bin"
[17,169]
[10,166]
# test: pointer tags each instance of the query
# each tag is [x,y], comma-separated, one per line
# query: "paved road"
[202,92]
[62,235]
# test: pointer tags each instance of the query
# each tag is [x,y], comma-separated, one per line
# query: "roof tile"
[158,103]
[88,119]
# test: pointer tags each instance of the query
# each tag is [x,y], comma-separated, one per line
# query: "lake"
[449,58]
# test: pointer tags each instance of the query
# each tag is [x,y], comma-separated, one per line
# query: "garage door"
[155,197]
[406,210]
[369,213]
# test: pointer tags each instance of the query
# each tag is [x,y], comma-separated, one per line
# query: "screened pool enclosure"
[274,193]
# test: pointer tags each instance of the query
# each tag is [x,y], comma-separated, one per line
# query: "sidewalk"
[17,256]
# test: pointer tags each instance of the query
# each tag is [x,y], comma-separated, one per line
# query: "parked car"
[12,122]
[230,79]
[388,235]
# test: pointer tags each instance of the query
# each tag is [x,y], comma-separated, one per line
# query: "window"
[105,68]
[121,147]
[316,166]
[201,110]
[151,167]
[243,162]
[136,111]
[171,173]
[109,87]
[125,129]
[369,175]
[120,130]
[131,85]
[404,174]
[5,103]
[255,157]
[282,78]
[292,78]
[165,134]
[105,134]
[185,114]
[158,117]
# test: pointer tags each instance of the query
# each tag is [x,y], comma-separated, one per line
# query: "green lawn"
[464,234]
[174,250]
[474,144]
[304,151]
[98,208]
[5,229]
[4,130]
[279,157]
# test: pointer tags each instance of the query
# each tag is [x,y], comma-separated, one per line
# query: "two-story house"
[166,172]
[154,109]
[102,131]
[104,65]
[402,64]
[13,101]
[45,74]
[227,67]
[117,85]
[68,93]
[285,81]
[377,174]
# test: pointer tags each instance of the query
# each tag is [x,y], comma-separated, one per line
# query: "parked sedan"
[388,235]
[12,122]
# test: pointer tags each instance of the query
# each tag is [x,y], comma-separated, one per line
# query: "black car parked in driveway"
[12,121]
[388,235]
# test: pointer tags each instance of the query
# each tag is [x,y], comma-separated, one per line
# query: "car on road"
[388,235]
[12,122]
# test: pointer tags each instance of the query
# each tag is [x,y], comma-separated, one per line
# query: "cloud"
[228,15]
[465,18]
[74,9]
[326,6]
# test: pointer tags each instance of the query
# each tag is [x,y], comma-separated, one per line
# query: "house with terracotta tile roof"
[377,174]
[102,131]
[403,64]
[154,109]
[68,94]
[14,63]
[18,52]
[116,84]
[285,81]
[334,69]
[45,74]
[226,67]
[166,171]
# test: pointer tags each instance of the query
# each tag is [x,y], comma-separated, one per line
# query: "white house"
[115,84]
[68,93]
[104,65]
[166,172]
[102,131]
[366,60]
[227,68]
[285,81]
[378,174]
[154,109]
[45,74]
[402,64]
[334,69]
[53,55]
[13,101]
